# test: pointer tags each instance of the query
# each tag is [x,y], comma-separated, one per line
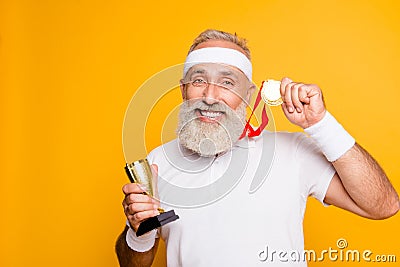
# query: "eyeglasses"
[224,84]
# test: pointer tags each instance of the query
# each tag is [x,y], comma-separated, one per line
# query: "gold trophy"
[140,172]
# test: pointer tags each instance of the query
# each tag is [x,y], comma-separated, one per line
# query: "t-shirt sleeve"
[315,171]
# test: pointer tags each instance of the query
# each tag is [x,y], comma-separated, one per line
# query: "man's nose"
[211,94]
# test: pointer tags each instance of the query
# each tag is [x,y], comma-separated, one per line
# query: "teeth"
[210,114]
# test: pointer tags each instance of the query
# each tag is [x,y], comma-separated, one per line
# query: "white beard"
[208,139]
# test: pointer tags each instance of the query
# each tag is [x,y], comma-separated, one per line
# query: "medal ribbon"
[248,129]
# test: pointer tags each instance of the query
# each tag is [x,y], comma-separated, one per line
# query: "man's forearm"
[130,258]
[366,183]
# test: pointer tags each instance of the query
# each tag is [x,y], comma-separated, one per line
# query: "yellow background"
[68,70]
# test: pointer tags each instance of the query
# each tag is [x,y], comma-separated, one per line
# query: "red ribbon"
[248,129]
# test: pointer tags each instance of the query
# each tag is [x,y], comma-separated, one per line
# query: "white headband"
[218,55]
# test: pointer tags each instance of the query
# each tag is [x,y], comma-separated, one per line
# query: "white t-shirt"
[244,207]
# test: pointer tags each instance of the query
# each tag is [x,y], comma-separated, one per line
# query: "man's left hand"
[303,104]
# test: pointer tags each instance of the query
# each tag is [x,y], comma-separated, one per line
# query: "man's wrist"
[331,137]
[141,243]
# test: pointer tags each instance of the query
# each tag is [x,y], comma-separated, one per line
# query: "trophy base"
[156,221]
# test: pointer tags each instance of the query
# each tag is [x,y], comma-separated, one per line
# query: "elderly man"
[208,172]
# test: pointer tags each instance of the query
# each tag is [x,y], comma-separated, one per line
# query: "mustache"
[202,105]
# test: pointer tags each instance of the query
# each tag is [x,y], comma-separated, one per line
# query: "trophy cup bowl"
[140,172]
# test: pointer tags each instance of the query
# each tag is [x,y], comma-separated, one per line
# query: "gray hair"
[211,34]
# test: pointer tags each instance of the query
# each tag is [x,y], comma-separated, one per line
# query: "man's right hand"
[138,206]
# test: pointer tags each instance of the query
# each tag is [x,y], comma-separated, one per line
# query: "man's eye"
[228,83]
[198,82]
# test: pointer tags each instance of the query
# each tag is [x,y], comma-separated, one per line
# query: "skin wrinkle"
[223,72]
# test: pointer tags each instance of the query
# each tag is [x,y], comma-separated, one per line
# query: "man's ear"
[183,89]
[250,92]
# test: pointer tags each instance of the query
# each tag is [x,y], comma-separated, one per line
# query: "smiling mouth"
[209,116]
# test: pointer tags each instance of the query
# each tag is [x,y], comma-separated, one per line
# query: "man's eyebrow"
[228,73]
[198,71]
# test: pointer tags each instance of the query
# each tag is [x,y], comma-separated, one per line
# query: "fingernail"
[155,206]
[298,110]
[290,108]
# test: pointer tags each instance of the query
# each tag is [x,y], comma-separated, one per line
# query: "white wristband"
[141,243]
[331,137]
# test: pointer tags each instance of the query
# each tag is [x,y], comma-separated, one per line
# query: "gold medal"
[271,93]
